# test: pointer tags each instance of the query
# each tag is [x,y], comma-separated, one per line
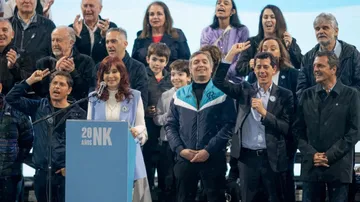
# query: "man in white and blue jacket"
[200,122]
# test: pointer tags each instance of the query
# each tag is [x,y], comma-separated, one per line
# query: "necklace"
[112,107]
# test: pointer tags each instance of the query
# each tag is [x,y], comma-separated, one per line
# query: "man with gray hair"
[91,30]
[327,30]
[66,58]
[32,36]
[116,43]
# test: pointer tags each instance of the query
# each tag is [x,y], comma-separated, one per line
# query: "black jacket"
[83,43]
[83,76]
[137,76]
[16,136]
[348,72]
[276,121]
[8,77]
[330,126]
[243,67]
[33,43]
[178,47]
[38,109]
[155,89]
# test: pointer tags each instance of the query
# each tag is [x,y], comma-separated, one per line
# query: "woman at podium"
[116,101]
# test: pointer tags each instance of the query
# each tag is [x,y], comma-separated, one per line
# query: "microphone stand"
[51,129]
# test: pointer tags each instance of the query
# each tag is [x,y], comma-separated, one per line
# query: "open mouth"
[111,51]
[56,93]
[221,10]
[268,25]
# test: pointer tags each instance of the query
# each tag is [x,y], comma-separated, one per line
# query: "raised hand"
[11,57]
[236,49]
[103,25]
[37,76]
[78,25]
[287,39]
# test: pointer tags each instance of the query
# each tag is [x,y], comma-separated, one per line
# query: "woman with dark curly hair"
[119,102]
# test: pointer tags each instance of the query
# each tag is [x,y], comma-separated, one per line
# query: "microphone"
[100,91]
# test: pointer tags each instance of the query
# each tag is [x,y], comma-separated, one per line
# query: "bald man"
[66,58]
[91,30]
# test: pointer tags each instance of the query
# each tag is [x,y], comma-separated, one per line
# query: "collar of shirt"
[262,89]
[91,30]
[336,88]
[337,49]
[26,25]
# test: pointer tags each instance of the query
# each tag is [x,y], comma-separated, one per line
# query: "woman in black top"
[158,27]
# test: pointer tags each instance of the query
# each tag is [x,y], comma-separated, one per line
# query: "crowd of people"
[258,98]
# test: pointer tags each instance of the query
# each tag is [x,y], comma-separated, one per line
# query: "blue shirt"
[253,132]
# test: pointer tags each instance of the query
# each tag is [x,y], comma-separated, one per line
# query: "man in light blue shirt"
[263,121]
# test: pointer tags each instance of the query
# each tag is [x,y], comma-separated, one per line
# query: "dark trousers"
[151,150]
[212,173]
[8,188]
[256,175]
[41,188]
[353,186]
[288,183]
[316,192]
[166,176]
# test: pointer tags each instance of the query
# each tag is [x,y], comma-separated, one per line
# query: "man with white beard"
[66,58]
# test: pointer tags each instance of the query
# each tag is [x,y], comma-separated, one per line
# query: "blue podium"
[100,161]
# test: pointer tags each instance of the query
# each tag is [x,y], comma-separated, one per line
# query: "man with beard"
[66,58]
[326,30]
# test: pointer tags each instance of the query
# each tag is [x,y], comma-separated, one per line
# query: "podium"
[100,161]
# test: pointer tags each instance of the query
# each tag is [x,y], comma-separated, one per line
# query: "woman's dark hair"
[284,60]
[124,85]
[234,19]
[280,26]
[168,25]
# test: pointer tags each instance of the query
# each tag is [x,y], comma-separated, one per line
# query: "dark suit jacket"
[276,121]
[330,126]
[287,79]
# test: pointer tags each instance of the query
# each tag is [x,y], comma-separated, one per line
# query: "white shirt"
[275,78]
[92,35]
[113,111]
[9,8]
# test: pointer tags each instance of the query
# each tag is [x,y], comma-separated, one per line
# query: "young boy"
[180,76]
[158,82]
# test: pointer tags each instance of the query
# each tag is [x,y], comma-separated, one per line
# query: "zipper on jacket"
[22,41]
